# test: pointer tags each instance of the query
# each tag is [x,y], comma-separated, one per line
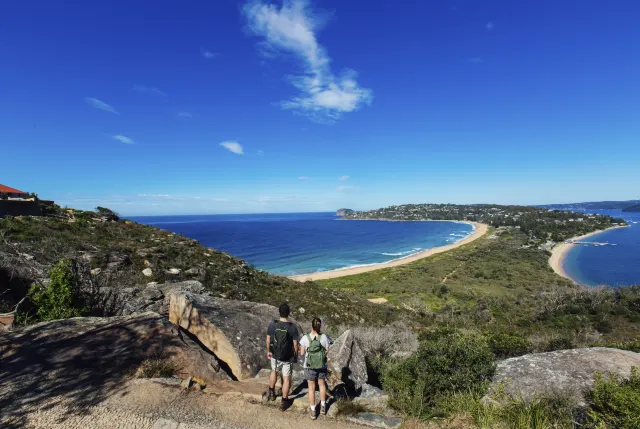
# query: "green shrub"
[505,345]
[559,344]
[59,299]
[615,401]
[450,363]
[631,345]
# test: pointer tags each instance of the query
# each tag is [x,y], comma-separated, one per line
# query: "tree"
[60,299]
[108,213]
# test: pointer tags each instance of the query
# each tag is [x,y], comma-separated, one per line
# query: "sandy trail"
[480,230]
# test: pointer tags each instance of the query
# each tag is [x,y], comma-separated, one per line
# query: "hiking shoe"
[312,411]
[284,404]
[271,395]
[323,410]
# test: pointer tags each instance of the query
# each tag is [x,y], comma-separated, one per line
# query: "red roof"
[9,190]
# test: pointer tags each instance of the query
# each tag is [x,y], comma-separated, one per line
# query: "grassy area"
[501,284]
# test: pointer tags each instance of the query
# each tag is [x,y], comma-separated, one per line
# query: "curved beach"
[479,230]
[560,251]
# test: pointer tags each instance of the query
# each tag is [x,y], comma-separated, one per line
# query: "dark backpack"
[282,343]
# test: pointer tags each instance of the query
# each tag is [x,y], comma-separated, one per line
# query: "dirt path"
[145,404]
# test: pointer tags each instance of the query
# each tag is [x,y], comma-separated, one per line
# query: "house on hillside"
[13,193]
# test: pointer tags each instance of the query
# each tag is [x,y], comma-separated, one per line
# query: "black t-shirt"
[292,330]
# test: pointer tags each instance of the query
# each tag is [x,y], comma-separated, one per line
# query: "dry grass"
[157,367]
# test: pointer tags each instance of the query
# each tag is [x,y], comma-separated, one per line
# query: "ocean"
[617,265]
[303,243]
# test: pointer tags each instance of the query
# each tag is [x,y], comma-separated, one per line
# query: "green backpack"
[316,354]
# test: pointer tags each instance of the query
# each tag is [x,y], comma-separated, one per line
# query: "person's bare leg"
[323,389]
[286,385]
[273,378]
[311,384]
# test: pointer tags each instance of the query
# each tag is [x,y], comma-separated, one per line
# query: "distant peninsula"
[595,205]
[631,209]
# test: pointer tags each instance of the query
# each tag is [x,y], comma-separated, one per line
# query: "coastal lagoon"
[303,243]
[614,265]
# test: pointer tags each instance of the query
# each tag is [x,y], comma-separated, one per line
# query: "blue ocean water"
[617,265]
[303,243]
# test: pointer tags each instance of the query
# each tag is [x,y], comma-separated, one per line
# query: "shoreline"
[479,229]
[560,251]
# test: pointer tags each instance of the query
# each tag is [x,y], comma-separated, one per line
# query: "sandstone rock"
[373,398]
[147,272]
[233,330]
[96,271]
[569,372]
[346,362]
[174,271]
[152,293]
[375,420]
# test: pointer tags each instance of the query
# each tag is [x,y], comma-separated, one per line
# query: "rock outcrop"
[234,331]
[569,372]
[346,362]
[154,297]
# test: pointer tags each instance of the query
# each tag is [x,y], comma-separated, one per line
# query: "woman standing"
[314,347]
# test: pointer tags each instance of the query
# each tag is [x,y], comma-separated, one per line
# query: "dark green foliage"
[631,345]
[451,363]
[559,344]
[505,345]
[60,299]
[615,402]
[107,213]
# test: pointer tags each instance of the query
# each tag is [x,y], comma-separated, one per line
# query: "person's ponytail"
[316,325]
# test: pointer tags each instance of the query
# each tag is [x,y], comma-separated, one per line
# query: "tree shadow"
[76,362]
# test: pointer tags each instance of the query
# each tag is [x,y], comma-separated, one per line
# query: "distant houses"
[14,202]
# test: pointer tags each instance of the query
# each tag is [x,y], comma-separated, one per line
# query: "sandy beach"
[559,252]
[479,230]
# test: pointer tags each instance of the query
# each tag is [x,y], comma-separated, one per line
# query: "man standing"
[282,349]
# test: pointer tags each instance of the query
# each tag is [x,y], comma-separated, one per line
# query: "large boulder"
[347,364]
[154,297]
[234,331]
[568,372]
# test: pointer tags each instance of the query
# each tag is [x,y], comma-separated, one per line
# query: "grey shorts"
[315,374]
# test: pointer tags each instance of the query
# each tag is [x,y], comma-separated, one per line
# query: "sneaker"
[312,411]
[271,395]
[323,409]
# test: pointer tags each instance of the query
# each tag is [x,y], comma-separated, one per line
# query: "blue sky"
[228,106]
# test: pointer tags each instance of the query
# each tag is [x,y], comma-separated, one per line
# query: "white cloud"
[184,115]
[123,139]
[346,188]
[154,195]
[260,152]
[343,178]
[149,90]
[290,29]
[234,147]
[209,55]
[490,25]
[475,60]
[303,178]
[94,102]
[268,199]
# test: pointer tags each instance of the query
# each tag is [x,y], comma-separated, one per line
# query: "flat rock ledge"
[566,372]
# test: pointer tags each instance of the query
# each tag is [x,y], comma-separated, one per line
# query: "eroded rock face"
[346,362]
[569,372]
[234,331]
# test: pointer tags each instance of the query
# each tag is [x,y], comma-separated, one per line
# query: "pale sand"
[559,252]
[378,300]
[479,231]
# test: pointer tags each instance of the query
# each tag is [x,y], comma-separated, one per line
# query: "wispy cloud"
[260,152]
[303,178]
[490,25]
[475,60]
[123,139]
[234,147]
[155,195]
[290,29]
[268,199]
[208,54]
[346,188]
[98,104]
[184,115]
[343,178]
[149,90]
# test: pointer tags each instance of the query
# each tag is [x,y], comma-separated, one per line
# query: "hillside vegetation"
[114,253]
